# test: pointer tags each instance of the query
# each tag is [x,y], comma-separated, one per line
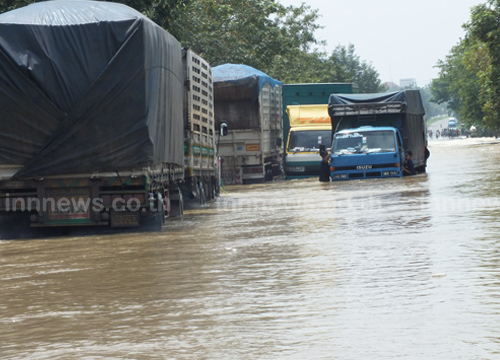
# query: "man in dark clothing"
[324,169]
[409,167]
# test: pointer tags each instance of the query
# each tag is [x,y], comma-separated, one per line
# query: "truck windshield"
[364,142]
[308,140]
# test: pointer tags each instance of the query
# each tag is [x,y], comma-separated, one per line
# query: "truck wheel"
[269,175]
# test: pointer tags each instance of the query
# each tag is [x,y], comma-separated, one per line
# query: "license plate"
[297,168]
[363,167]
[125,220]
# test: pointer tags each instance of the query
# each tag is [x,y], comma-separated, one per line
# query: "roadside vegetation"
[264,34]
[279,40]
[469,77]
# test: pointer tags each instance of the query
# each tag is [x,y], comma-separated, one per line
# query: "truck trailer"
[105,119]
[373,132]
[304,161]
[201,180]
[249,102]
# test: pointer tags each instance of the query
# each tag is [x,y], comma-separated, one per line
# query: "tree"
[7,5]
[301,67]
[264,34]
[484,28]
[459,81]
[350,68]
[250,32]
[163,12]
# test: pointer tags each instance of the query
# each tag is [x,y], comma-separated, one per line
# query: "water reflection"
[402,268]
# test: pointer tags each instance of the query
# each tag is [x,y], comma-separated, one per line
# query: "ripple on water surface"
[400,268]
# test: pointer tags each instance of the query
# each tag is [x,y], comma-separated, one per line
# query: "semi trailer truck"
[105,121]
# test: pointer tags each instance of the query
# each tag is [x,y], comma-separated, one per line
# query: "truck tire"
[269,175]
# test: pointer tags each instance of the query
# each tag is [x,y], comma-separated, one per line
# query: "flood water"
[369,269]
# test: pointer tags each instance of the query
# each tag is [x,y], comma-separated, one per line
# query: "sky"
[401,39]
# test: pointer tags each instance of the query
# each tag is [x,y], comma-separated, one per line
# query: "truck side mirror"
[279,142]
[223,128]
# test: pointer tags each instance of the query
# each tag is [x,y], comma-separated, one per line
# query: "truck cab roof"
[365,128]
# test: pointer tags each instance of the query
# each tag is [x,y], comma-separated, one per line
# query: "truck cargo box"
[91,120]
[310,94]
[199,126]
[249,101]
[200,163]
[85,87]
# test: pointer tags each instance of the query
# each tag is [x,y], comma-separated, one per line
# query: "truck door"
[400,149]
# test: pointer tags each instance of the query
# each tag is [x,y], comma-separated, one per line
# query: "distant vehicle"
[452,123]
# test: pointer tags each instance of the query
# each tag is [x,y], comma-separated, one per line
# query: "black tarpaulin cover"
[411,98]
[88,86]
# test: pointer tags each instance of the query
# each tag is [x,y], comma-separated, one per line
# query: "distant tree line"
[432,109]
[469,77]
[264,34]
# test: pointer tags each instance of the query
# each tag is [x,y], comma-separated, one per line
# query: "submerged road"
[377,269]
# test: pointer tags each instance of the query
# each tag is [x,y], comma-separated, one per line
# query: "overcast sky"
[400,38]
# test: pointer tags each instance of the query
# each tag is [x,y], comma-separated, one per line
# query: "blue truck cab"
[366,152]
[372,132]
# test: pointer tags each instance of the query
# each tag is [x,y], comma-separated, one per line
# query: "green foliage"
[484,27]
[264,34]
[459,81]
[342,66]
[7,5]
[301,67]
[348,67]
[234,31]
[469,79]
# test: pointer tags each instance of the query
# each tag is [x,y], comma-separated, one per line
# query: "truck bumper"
[110,202]
[366,174]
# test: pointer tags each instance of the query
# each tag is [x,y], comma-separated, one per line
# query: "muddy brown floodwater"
[371,269]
